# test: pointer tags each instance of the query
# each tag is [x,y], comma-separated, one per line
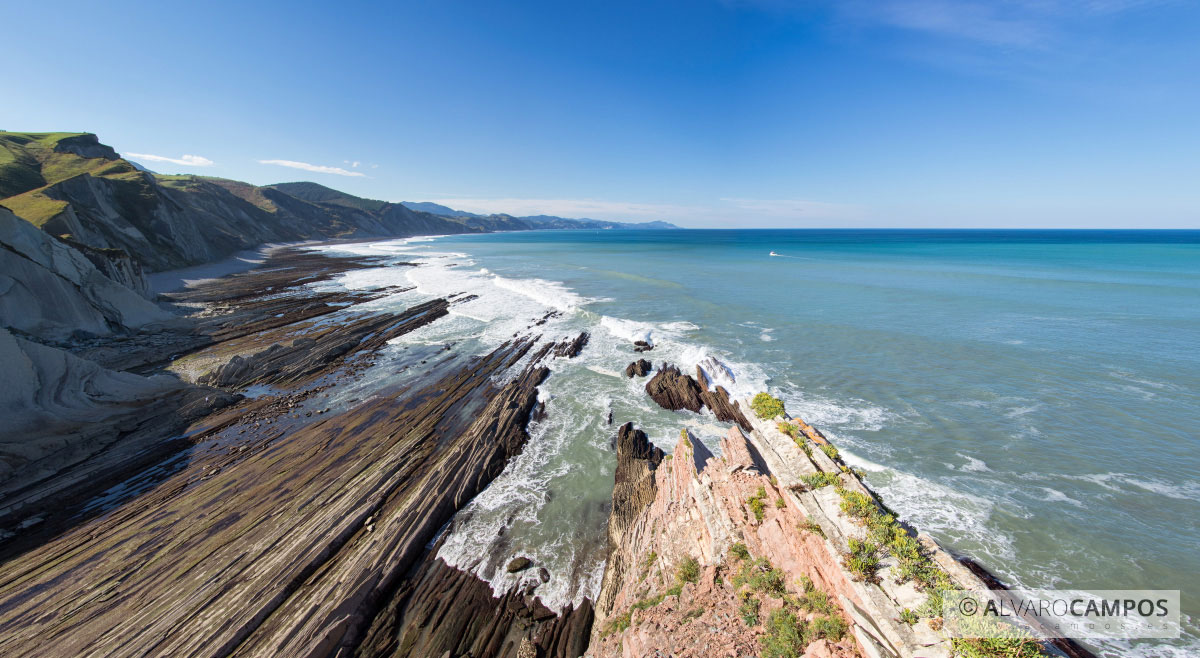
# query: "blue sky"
[1059,113]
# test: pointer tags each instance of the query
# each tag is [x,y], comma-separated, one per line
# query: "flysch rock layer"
[277,526]
[693,505]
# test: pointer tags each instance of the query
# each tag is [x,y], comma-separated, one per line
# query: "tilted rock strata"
[634,489]
[441,609]
[701,505]
[674,390]
[639,368]
[277,526]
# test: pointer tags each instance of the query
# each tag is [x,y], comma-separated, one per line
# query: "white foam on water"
[1056,496]
[507,518]
[973,464]
[1122,481]
[628,329]
[822,412]
[548,293]
[858,461]
[944,510]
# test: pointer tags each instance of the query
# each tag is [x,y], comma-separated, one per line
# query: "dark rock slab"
[323,350]
[674,390]
[300,542]
[634,489]
[639,368]
[519,563]
[642,346]
[444,611]
[571,349]
[725,410]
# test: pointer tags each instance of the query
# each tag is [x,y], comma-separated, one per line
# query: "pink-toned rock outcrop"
[746,554]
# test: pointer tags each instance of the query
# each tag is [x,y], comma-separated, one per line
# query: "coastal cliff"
[273,473]
[773,548]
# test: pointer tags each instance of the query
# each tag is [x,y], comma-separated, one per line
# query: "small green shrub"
[863,560]
[857,504]
[830,451]
[996,648]
[760,576]
[739,550]
[829,627]
[820,479]
[648,603]
[811,526]
[766,406]
[688,571]
[649,562]
[785,636]
[909,617]
[693,614]
[779,504]
[749,608]
[792,430]
[757,505]
[617,625]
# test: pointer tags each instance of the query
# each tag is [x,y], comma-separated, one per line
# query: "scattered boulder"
[674,390]
[640,368]
[572,349]
[519,563]
[642,346]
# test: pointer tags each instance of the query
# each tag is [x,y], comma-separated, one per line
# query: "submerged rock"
[519,563]
[642,346]
[639,368]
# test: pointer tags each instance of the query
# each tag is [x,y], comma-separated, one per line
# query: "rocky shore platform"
[208,489]
[248,477]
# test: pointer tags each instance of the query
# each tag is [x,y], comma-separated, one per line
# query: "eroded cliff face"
[748,554]
[52,291]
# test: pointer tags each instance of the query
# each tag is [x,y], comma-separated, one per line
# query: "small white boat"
[774,254]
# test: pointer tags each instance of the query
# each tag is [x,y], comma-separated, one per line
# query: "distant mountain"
[437,209]
[75,188]
[538,221]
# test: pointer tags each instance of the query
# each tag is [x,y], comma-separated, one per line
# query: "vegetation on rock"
[766,406]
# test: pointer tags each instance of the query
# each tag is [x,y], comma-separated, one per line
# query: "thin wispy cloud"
[318,169]
[990,23]
[1020,24]
[186,160]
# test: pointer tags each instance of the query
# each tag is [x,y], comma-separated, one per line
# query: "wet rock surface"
[673,390]
[639,368]
[441,610]
[571,349]
[724,409]
[196,522]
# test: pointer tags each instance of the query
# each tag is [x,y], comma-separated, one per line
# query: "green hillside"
[29,162]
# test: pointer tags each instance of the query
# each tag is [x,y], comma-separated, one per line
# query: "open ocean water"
[1029,398]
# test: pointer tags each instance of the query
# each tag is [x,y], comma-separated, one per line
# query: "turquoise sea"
[1030,398]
